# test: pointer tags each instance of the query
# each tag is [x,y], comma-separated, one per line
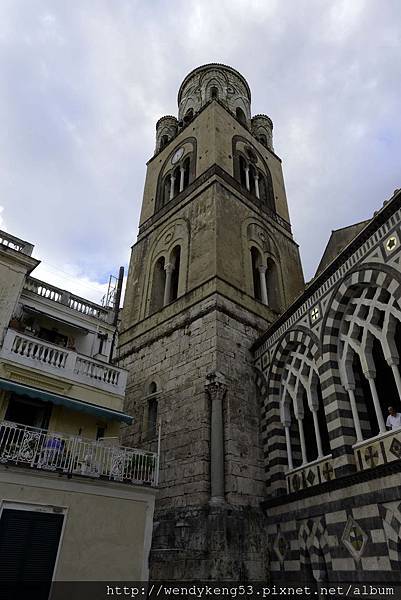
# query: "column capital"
[216,385]
[262,269]
[169,267]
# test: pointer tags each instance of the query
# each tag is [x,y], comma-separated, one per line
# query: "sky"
[82,85]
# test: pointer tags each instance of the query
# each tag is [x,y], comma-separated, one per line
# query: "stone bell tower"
[214,264]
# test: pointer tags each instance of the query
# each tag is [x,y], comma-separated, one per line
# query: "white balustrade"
[53,451]
[45,290]
[36,353]
[15,243]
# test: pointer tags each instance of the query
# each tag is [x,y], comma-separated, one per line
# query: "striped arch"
[334,395]
[392,527]
[313,541]
[273,435]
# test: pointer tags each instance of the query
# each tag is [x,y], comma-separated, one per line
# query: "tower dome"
[215,81]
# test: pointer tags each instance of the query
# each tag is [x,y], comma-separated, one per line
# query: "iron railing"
[52,451]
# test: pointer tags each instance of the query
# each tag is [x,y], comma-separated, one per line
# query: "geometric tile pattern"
[354,538]
[391,515]
[314,547]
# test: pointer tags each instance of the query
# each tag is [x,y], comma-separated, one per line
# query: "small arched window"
[186,165]
[175,259]
[239,113]
[214,93]
[273,285]
[158,285]
[163,141]
[189,115]
[256,263]
[262,139]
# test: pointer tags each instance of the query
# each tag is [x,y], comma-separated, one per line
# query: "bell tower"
[214,264]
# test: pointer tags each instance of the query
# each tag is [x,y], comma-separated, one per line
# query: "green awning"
[71,403]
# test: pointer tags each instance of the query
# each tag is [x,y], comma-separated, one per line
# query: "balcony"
[313,473]
[55,294]
[379,450]
[57,361]
[15,243]
[71,455]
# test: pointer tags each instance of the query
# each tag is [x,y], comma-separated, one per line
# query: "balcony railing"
[15,243]
[313,473]
[379,450]
[46,290]
[54,360]
[51,451]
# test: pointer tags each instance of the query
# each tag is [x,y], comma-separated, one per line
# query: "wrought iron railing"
[52,451]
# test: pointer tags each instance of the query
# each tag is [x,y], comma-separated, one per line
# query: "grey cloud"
[84,83]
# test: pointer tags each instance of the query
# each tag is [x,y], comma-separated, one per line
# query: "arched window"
[186,166]
[177,180]
[163,141]
[175,262]
[301,394]
[158,285]
[262,139]
[166,189]
[239,113]
[214,92]
[273,285]
[256,263]
[242,171]
[369,347]
[189,115]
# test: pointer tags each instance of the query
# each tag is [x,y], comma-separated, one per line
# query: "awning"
[71,403]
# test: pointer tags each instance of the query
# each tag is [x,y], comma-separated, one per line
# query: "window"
[163,141]
[256,263]
[262,139]
[189,115]
[29,541]
[239,113]
[151,411]
[175,262]
[28,411]
[158,285]
[214,93]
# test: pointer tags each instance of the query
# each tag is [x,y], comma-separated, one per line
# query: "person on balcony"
[393,419]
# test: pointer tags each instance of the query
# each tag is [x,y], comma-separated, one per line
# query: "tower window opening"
[186,165]
[214,92]
[189,115]
[242,170]
[158,285]
[175,276]
[256,263]
[273,285]
[239,113]
[177,181]
[262,138]
[167,189]
[163,141]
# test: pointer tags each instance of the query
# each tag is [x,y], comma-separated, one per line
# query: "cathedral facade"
[257,388]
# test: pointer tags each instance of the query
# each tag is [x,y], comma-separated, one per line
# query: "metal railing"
[51,292]
[52,451]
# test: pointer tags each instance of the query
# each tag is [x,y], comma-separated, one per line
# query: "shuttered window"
[29,542]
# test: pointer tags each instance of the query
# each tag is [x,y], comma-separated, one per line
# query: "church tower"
[214,265]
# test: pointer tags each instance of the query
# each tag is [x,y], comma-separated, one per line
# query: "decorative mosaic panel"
[379,451]
[310,475]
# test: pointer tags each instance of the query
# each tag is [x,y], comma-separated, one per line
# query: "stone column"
[263,286]
[396,372]
[182,172]
[247,178]
[289,449]
[257,186]
[302,440]
[169,268]
[216,389]
[354,410]
[317,433]
[376,402]
[172,179]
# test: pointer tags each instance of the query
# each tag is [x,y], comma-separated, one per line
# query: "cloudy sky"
[82,84]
